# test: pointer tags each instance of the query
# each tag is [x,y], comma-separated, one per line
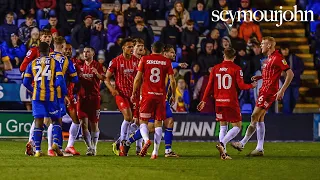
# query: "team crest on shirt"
[284,62]
[121,65]
[134,64]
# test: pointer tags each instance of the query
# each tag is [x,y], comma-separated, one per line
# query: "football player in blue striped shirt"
[47,76]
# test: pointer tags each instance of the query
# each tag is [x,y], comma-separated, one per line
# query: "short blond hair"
[270,39]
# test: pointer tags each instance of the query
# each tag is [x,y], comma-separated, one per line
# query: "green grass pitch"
[199,160]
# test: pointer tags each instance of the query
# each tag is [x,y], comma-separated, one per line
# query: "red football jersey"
[271,73]
[155,69]
[225,78]
[125,71]
[32,54]
[90,83]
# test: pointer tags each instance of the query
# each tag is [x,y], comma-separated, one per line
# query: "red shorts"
[153,108]
[265,100]
[228,114]
[73,104]
[89,108]
[123,103]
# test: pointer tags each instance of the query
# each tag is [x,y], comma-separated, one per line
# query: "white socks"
[223,132]
[49,136]
[87,138]
[73,132]
[139,143]
[144,132]
[260,135]
[31,131]
[124,130]
[250,131]
[95,138]
[157,140]
[232,133]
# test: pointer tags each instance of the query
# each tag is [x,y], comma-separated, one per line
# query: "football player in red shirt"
[268,93]
[88,106]
[124,69]
[224,79]
[33,53]
[152,71]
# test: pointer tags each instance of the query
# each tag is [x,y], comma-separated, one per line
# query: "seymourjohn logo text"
[279,16]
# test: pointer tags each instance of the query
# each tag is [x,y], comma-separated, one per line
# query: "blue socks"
[57,135]
[168,137]
[37,137]
[136,136]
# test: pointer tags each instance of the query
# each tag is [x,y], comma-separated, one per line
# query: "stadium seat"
[14,75]
[179,54]
[42,23]
[68,39]
[156,38]
[246,108]
[20,21]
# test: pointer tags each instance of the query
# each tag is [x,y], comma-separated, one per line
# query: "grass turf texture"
[199,160]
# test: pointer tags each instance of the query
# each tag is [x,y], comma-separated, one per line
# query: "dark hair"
[157,47]
[29,16]
[52,17]
[171,16]
[89,47]
[167,48]
[10,13]
[45,32]
[125,41]
[229,53]
[138,40]
[284,46]
[19,42]
[44,47]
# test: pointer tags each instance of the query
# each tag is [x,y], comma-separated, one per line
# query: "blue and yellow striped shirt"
[67,68]
[47,76]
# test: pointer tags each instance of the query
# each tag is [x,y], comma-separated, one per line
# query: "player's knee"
[254,117]
[170,123]
[157,124]
[253,124]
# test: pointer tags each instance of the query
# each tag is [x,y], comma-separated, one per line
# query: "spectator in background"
[15,49]
[181,14]
[54,33]
[225,43]
[224,27]
[5,6]
[248,29]
[102,59]
[34,41]
[256,58]
[213,36]
[171,34]
[25,8]
[45,8]
[237,43]
[80,35]
[201,18]
[115,50]
[76,5]
[209,57]
[169,4]
[115,30]
[8,28]
[291,95]
[92,7]
[182,102]
[5,65]
[221,6]
[194,77]
[26,27]
[53,24]
[131,12]
[99,37]
[199,92]
[142,32]
[154,9]
[189,41]
[68,18]
[112,17]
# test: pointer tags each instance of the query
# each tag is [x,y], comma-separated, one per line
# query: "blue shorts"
[63,109]
[168,112]
[42,109]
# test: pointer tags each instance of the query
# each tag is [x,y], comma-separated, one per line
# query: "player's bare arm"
[256,78]
[108,84]
[95,71]
[173,86]
[136,84]
[289,76]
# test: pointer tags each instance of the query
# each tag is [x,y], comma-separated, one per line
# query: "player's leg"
[257,113]
[223,132]
[260,137]
[30,145]
[160,114]
[54,109]
[39,112]
[83,118]
[73,131]
[168,133]
[48,123]
[94,118]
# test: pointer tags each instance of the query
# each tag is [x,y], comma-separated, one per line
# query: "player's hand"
[94,70]
[132,98]
[201,105]
[279,95]
[183,65]
[255,78]
[114,92]
[67,101]
[254,84]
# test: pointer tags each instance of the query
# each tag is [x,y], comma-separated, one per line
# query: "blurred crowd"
[103,24]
